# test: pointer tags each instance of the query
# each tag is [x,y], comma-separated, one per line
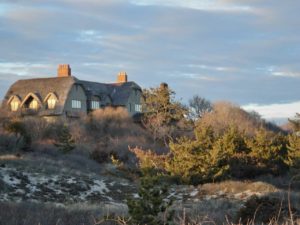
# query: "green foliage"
[232,141]
[151,206]
[161,113]
[268,152]
[211,156]
[197,161]
[65,141]
[293,158]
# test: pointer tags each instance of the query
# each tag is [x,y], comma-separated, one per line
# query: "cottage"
[67,96]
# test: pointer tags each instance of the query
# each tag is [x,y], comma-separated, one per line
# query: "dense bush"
[18,128]
[65,141]
[151,206]
[212,156]
[265,209]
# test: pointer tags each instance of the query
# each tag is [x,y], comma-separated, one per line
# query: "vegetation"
[150,207]
[65,142]
[162,114]
[295,122]
[198,107]
[200,144]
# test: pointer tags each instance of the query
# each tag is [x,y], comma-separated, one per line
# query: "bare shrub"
[149,159]
[10,142]
[226,114]
[111,131]
[264,209]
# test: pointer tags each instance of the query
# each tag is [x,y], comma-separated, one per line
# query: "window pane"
[14,105]
[33,104]
[95,105]
[76,104]
[51,103]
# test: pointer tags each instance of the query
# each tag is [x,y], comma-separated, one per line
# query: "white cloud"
[22,69]
[213,68]
[282,72]
[89,36]
[196,76]
[205,5]
[275,111]
[285,74]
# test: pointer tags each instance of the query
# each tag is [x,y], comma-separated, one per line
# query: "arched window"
[14,106]
[51,100]
[51,103]
[31,101]
[33,104]
[14,103]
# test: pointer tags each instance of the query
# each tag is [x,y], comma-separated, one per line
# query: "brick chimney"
[122,77]
[64,70]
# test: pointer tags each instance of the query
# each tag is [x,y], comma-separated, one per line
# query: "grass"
[30,213]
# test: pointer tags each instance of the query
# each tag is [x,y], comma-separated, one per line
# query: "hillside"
[103,169]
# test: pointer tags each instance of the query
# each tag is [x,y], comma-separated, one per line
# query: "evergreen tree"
[151,206]
[65,142]
[293,158]
[269,151]
[161,113]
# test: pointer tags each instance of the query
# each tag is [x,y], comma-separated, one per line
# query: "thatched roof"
[60,86]
[117,92]
[41,87]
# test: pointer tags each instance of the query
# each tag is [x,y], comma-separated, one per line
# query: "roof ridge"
[48,78]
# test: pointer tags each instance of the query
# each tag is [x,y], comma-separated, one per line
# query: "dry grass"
[29,213]
[226,114]
[10,157]
[235,187]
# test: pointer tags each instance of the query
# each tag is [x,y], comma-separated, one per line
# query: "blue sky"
[246,52]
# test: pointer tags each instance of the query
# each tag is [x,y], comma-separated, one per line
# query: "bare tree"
[198,107]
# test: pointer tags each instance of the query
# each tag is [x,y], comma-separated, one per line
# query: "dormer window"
[14,105]
[51,103]
[51,100]
[33,104]
[14,102]
[31,101]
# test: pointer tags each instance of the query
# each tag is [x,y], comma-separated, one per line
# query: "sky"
[243,51]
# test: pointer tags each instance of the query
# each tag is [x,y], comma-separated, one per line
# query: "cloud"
[213,68]
[285,74]
[195,76]
[205,5]
[219,49]
[89,36]
[275,111]
[23,69]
